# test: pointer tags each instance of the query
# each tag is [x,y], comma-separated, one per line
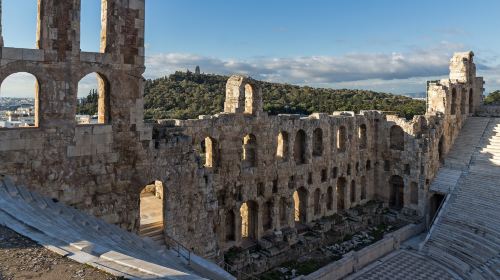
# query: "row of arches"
[463,95]
[92,104]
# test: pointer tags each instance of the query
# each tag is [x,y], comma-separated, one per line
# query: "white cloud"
[392,72]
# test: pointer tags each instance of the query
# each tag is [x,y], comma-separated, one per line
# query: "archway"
[18,35]
[151,211]
[249,220]
[341,139]
[397,138]
[471,101]
[317,204]
[329,199]
[250,151]
[21,103]
[341,186]
[300,202]
[396,199]
[90,26]
[267,216]
[353,191]
[463,95]
[230,225]
[363,188]
[283,212]
[209,150]
[317,142]
[93,104]
[249,99]
[299,147]
[362,137]
[282,148]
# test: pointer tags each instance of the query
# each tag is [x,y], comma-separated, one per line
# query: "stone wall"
[212,166]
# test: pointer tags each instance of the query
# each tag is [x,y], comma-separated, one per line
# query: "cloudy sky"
[385,45]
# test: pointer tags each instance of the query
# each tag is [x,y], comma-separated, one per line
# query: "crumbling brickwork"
[276,170]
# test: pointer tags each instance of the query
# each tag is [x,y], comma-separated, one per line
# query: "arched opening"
[300,204]
[19,29]
[463,95]
[210,148]
[471,101]
[93,106]
[299,147]
[249,219]
[353,191]
[329,199]
[317,204]
[249,151]
[362,136]
[282,149]
[441,149]
[151,211]
[397,138]
[414,193]
[368,165]
[396,199]
[20,101]
[90,26]
[341,139]
[363,188]
[249,96]
[318,142]
[341,186]
[283,212]
[453,101]
[267,217]
[230,225]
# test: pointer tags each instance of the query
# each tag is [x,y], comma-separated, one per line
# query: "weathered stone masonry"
[227,176]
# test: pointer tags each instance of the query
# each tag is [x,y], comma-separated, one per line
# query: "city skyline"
[384,46]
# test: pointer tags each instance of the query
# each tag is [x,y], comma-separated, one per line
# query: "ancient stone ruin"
[228,180]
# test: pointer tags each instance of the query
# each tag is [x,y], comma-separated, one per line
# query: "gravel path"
[22,258]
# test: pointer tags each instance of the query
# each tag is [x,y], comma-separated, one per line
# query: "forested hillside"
[186,95]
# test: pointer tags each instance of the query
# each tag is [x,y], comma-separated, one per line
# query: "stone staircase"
[466,237]
[154,231]
[89,240]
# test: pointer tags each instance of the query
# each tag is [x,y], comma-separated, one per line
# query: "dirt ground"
[22,258]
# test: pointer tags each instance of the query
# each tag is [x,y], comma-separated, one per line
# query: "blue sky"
[385,45]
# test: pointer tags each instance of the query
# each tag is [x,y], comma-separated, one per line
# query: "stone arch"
[243,95]
[353,191]
[341,190]
[341,138]
[267,216]
[300,147]
[329,198]
[151,205]
[282,148]
[441,149]
[211,149]
[397,138]
[318,142]
[463,95]
[362,137]
[249,212]
[300,199]
[230,225]
[396,199]
[26,115]
[471,101]
[363,187]
[94,99]
[283,212]
[249,151]
[317,204]
[453,110]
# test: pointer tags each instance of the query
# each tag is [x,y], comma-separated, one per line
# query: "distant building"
[197,71]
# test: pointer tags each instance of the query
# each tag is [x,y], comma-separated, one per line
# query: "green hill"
[185,95]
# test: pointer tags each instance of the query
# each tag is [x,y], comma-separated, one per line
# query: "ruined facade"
[227,178]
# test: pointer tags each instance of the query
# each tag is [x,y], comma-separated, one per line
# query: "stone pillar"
[58,28]
[122,33]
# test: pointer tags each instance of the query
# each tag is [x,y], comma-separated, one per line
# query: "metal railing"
[240,275]
[176,246]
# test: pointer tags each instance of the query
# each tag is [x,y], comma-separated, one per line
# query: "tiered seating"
[467,236]
[87,239]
